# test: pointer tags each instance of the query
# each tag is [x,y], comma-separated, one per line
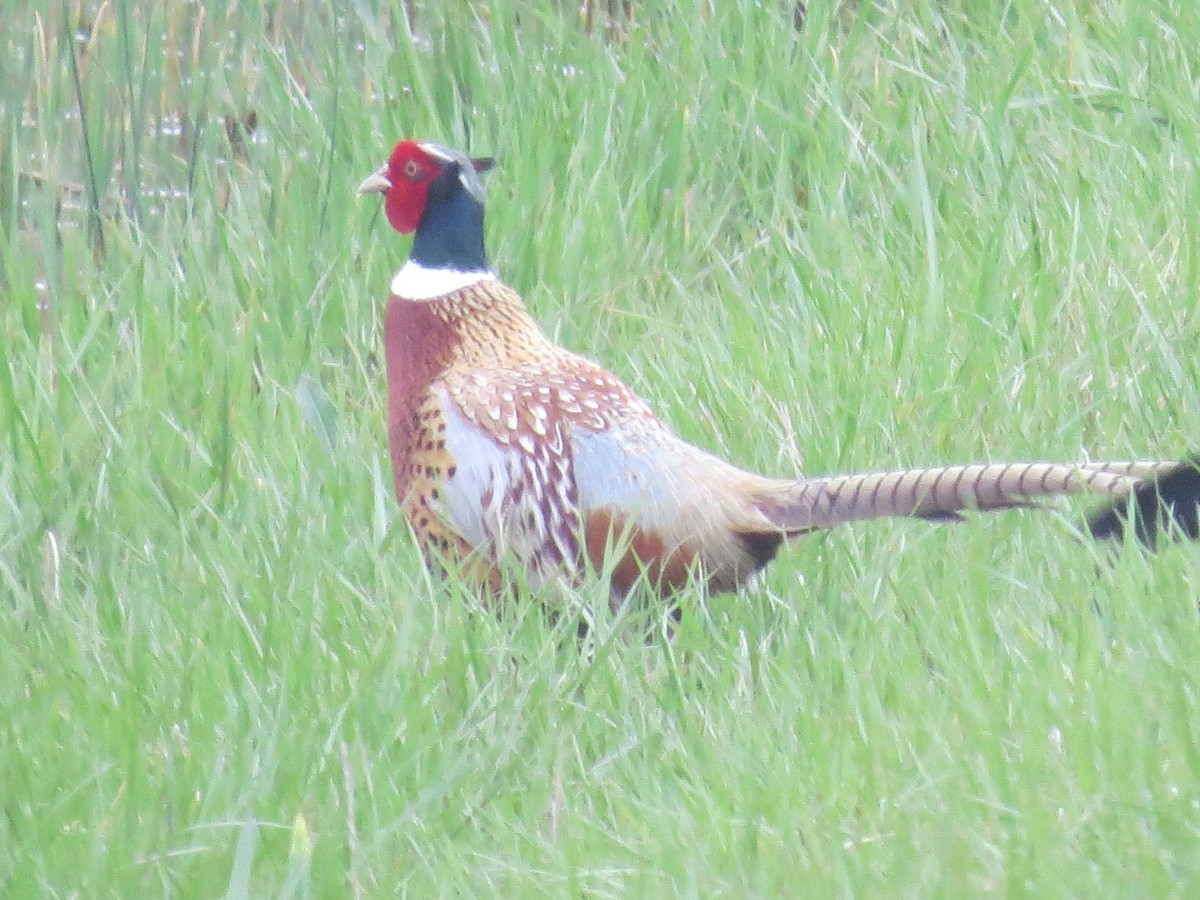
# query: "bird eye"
[411,170]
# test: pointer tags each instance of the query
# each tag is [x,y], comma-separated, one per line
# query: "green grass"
[904,235]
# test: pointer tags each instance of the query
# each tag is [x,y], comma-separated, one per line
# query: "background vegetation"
[903,233]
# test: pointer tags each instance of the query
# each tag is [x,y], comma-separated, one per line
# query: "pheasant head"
[436,193]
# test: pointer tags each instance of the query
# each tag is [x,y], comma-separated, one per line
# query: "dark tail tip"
[1161,506]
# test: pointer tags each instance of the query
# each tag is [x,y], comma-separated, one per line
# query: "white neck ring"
[416,282]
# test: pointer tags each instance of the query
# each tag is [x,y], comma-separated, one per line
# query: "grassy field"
[903,234]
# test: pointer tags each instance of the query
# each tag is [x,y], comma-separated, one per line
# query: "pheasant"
[510,451]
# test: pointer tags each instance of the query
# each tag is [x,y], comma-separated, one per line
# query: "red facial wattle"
[404,203]
[409,171]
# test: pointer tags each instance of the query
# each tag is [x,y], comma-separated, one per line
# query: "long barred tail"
[942,493]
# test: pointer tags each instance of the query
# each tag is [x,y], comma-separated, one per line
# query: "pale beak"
[376,183]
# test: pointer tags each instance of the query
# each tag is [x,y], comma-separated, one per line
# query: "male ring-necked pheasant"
[509,450]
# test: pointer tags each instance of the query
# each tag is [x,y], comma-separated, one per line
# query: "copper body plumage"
[515,459]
